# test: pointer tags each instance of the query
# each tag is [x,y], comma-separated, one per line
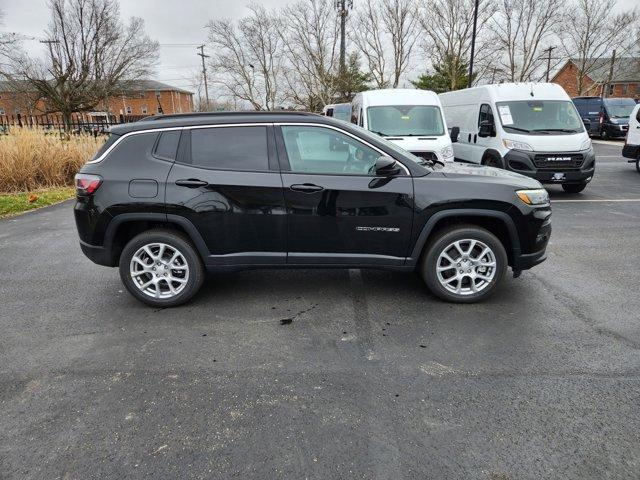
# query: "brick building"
[143,97]
[625,81]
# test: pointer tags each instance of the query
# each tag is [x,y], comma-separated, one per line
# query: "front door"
[338,211]
[226,182]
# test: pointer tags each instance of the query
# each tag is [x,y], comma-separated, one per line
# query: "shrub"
[30,158]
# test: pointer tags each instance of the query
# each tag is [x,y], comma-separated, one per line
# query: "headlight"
[513,145]
[613,120]
[534,197]
[586,145]
[447,152]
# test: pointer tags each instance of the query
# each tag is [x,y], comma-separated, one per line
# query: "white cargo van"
[410,118]
[631,149]
[529,128]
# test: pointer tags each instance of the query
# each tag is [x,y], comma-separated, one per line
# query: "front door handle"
[306,188]
[191,183]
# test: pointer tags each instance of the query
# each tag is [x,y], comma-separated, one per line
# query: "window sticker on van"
[505,114]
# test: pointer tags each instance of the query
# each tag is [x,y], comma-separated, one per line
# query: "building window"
[611,89]
[17,111]
[625,88]
[144,110]
[128,109]
[2,111]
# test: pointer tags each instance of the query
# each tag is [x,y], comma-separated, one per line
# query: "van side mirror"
[386,167]
[455,131]
[487,129]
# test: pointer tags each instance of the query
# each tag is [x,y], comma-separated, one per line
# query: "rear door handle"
[191,183]
[306,188]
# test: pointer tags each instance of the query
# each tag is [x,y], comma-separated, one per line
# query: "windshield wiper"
[381,134]
[517,128]
[566,130]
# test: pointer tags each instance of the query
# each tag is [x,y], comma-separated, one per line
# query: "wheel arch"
[492,152]
[124,227]
[497,222]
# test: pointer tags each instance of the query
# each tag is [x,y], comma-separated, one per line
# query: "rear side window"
[167,145]
[486,114]
[230,148]
[133,148]
[105,146]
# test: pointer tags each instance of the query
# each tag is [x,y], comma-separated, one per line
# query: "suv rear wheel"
[161,268]
[463,264]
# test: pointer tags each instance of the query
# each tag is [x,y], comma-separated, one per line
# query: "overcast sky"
[168,21]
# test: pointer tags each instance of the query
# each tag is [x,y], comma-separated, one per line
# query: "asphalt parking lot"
[328,374]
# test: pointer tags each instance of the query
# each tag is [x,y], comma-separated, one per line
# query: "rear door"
[226,182]
[339,212]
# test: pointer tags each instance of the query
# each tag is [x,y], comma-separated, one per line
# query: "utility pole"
[343,7]
[204,74]
[473,43]
[549,50]
[605,92]
[50,43]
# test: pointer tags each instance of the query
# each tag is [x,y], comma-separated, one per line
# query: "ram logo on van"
[558,159]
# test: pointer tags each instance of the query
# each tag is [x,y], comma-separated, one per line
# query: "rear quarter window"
[132,148]
[105,146]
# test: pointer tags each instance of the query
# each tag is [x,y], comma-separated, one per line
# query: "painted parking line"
[598,200]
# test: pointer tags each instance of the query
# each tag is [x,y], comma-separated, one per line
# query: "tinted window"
[230,148]
[133,148]
[486,114]
[323,150]
[110,141]
[168,145]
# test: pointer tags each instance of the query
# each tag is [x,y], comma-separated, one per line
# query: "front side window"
[230,148]
[539,117]
[326,151]
[405,120]
[486,114]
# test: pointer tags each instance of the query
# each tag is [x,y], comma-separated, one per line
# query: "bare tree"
[520,31]
[310,34]
[591,33]
[386,28]
[248,60]
[447,26]
[91,56]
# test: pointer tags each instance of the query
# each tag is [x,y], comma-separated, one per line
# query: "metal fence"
[77,124]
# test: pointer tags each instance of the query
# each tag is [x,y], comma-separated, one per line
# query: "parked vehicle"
[327,110]
[631,149]
[167,198]
[342,111]
[409,118]
[529,128]
[606,117]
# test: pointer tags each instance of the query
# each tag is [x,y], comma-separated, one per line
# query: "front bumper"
[525,261]
[615,130]
[579,169]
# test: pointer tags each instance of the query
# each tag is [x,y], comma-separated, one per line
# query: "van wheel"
[574,187]
[492,161]
[463,264]
[638,165]
[161,268]
[604,135]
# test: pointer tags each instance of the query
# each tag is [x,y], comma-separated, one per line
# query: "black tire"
[574,187]
[492,161]
[638,165]
[445,238]
[604,135]
[175,240]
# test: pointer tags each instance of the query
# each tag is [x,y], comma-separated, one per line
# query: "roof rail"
[225,113]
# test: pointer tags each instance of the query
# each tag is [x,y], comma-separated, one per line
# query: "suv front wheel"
[463,264]
[161,268]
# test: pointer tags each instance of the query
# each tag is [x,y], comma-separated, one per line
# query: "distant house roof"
[133,85]
[625,69]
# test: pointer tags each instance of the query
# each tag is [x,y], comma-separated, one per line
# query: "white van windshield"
[539,117]
[405,120]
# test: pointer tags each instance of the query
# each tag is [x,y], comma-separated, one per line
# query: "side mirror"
[386,167]
[455,131]
[487,129]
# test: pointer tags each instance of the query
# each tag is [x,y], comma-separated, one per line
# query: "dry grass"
[32,159]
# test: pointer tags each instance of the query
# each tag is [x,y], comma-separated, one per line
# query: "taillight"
[87,184]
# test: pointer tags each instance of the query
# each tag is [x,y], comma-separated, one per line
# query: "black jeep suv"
[168,197]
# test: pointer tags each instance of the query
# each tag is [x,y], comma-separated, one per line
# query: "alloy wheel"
[159,270]
[466,267]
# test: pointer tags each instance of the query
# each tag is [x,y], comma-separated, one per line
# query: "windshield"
[540,116]
[619,109]
[405,120]
[392,146]
[342,112]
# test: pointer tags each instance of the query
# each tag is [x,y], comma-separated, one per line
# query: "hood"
[468,171]
[421,144]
